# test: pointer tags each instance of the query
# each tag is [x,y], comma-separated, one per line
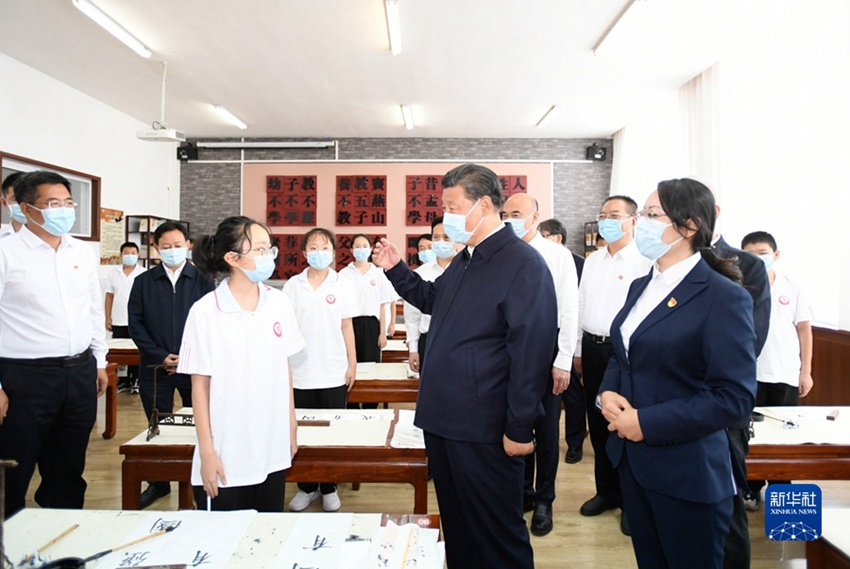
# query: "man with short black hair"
[7,200]
[53,364]
[119,282]
[158,307]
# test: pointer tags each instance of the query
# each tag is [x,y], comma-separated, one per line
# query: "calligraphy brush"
[53,541]
[134,542]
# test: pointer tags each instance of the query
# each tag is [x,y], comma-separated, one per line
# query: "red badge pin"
[374,282]
[783,300]
[330,299]
[278,329]
[672,302]
[620,277]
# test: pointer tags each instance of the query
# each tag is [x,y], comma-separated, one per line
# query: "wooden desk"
[122,351]
[395,352]
[111,414]
[145,461]
[400,332]
[802,458]
[384,383]
[832,550]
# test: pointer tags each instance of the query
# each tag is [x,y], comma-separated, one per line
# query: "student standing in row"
[159,305]
[237,345]
[119,283]
[7,200]
[53,364]
[323,372]
[784,367]
[416,323]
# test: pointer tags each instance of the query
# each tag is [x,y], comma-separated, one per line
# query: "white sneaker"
[751,501]
[303,499]
[330,502]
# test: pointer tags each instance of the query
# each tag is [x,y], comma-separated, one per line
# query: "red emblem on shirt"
[783,300]
[620,277]
[278,330]
[374,282]
[330,298]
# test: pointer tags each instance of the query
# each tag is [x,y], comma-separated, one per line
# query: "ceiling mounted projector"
[159,131]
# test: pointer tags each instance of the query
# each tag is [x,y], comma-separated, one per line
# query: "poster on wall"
[513,185]
[343,247]
[111,236]
[422,199]
[291,201]
[361,200]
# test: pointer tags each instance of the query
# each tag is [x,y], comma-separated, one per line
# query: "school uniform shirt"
[779,361]
[120,286]
[6,230]
[415,322]
[604,286]
[372,289]
[563,269]
[50,301]
[324,361]
[246,355]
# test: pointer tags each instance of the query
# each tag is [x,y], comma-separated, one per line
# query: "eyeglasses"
[651,214]
[615,216]
[263,252]
[56,204]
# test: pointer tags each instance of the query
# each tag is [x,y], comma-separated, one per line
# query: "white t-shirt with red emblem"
[246,355]
[779,361]
[320,312]
[373,289]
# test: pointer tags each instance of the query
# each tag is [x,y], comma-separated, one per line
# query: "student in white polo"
[324,371]
[237,345]
[119,283]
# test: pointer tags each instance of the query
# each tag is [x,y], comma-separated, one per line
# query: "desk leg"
[420,490]
[111,402]
[131,487]
[186,501]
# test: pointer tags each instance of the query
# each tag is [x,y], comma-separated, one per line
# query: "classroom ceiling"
[323,68]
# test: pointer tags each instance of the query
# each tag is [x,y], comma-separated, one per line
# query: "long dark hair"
[686,200]
[231,235]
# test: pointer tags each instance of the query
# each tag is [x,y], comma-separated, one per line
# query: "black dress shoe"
[528,503]
[596,506]
[541,521]
[574,455]
[153,493]
[624,524]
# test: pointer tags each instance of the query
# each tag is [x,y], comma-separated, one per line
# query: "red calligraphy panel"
[412,249]
[513,185]
[361,200]
[289,260]
[343,248]
[422,199]
[291,201]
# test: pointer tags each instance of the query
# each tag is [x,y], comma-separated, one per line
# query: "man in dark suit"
[490,344]
[737,549]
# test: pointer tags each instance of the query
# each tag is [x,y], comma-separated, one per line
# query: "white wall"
[45,120]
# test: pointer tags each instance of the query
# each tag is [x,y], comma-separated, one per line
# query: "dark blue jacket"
[690,373]
[157,312]
[490,344]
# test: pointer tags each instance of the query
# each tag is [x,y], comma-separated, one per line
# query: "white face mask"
[455,225]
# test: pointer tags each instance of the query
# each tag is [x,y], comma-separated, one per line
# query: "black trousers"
[124,332]
[479,492]
[594,360]
[366,332]
[546,455]
[575,420]
[328,398]
[52,411]
[736,551]
[165,386]
[774,395]
[423,343]
[267,496]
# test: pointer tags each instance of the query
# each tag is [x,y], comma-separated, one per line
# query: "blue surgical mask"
[362,254]
[455,225]
[263,268]
[442,249]
[173,257]
[611,229]
[58,220]
[17,214]
[320,260]
[129,259]
[427,256]
[189,254]
[768,261]
[648,238]
[518,225]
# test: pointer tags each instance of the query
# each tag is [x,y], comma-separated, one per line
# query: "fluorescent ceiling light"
[230,117]
[393,26]
[407,115]
[267,144]
[545,116]
[111,26]
[598,45]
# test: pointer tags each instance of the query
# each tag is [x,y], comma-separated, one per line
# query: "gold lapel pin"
[671,303]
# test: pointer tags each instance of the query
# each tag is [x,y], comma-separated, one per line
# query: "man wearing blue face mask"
[159,305]
[52,347]
[119,282]
[8,202]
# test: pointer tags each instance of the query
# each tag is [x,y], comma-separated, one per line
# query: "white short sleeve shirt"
[120,286]
[320,312]
[372,289]
[415,321]
[779,361]
[246,355]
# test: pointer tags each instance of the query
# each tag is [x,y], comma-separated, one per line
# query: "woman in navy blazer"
[684,368]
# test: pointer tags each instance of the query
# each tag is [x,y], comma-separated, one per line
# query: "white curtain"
[698,103]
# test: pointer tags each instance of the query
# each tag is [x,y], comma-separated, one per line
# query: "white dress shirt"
[6,230]
[661,284]
[415,322]
[120,285]
[50,302]
[563,269]
[605,282]
[174,274]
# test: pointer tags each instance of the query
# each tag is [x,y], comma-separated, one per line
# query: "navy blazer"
[490,344]
[157,312]
[690,372]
